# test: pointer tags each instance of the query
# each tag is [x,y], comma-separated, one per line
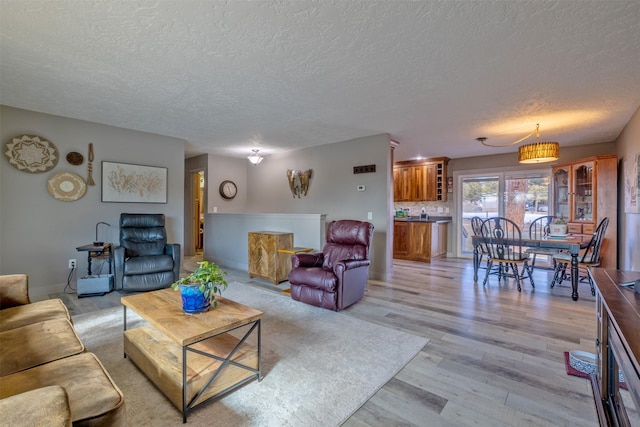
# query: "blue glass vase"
[193,299]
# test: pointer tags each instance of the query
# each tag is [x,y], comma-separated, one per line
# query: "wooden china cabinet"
[585,192]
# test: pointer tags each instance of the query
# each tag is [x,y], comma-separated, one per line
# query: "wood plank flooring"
[495,356]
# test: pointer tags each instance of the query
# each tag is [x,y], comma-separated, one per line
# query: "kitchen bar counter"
[416,239]
[430,218]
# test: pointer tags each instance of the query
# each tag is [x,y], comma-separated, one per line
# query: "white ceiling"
[230,75]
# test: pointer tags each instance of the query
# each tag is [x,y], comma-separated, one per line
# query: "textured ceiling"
[230,75]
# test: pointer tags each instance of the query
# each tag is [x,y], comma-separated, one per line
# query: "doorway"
[197,212]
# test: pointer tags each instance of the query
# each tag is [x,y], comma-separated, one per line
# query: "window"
[519,196]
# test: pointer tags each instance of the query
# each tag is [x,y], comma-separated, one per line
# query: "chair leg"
[486,276]
[593,290]
[517,276]
[556,273]
[529,269]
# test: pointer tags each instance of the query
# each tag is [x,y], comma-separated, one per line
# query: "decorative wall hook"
[299,182]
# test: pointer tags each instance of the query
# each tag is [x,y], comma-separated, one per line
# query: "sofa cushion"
[36,312]
[148,264]
[38,343]
[46,406]
[94,398]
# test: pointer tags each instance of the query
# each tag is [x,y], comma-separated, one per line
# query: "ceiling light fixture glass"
[538,152]
[255,158]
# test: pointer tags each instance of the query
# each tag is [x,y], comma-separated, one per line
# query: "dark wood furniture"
[419,240]
[582,193]
[617,343]
[104,251]
[572,244]
[419,181]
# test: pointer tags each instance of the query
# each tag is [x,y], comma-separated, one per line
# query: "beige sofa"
[46,375]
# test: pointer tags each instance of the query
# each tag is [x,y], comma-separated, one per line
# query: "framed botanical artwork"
[632,184]
[127,183]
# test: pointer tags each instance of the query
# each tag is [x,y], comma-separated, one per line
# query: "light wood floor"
[495,356]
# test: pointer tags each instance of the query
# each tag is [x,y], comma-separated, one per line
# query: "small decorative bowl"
[586,362]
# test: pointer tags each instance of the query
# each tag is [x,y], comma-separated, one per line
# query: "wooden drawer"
[574,228]
[588,228]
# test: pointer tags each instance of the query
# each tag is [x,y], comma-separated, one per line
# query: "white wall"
[40,233]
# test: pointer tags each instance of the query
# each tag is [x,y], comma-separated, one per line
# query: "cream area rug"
[319,366]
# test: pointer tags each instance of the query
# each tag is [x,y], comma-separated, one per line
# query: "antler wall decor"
[298,182]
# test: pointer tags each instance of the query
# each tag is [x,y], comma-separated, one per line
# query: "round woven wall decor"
[74,158]
[31,154]
[66,186]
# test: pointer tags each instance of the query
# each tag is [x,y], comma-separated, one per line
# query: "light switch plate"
[361,188]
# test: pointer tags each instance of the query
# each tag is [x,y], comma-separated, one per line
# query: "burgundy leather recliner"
[336,277]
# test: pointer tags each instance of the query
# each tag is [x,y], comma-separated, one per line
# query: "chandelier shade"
[539,152]
[255,158]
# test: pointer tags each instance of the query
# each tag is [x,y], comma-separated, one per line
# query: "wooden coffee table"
[193,358]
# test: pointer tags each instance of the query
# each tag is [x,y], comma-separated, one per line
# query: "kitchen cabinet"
[264,260]
[438,239]
[584,192]
[419,240]
[420,181]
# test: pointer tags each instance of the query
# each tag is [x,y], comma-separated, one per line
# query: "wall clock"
[228,189]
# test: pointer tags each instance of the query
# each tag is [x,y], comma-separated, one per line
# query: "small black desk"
[97,251]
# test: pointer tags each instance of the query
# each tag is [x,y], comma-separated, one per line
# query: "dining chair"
[476,229]
[590,258]
[505,247]
[540,229]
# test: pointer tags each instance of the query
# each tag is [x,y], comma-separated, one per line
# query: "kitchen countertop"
[430,218]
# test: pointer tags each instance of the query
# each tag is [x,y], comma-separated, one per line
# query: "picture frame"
[632,184]
[131,183]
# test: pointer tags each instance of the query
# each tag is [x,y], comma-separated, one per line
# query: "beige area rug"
[319,366]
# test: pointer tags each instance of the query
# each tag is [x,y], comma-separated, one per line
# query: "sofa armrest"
[42,406]
[345,265]
[118,266]
[306,259]
[14,290]
[173,249]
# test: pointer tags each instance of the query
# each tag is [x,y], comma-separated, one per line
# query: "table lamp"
[96,242]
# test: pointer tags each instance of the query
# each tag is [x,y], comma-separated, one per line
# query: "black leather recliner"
[144,261]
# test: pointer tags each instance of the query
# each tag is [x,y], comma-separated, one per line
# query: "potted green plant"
[558,227]
[199,289]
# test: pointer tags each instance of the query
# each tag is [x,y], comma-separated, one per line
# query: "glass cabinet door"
[561,193]
[583,192]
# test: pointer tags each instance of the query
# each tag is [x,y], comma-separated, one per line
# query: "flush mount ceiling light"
[255,158]
[538,152]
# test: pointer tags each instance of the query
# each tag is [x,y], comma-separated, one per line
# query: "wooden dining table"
[570,243]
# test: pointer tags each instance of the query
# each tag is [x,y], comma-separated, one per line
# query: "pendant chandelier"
[537,152]
[255,158]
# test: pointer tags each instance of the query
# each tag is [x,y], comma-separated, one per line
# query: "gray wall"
[264,188]
[40,233]
[628,146]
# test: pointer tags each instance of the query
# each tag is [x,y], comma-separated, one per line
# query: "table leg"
[476,263]
[574,277]
[89,263]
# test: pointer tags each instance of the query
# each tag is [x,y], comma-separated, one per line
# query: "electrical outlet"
[72,263]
